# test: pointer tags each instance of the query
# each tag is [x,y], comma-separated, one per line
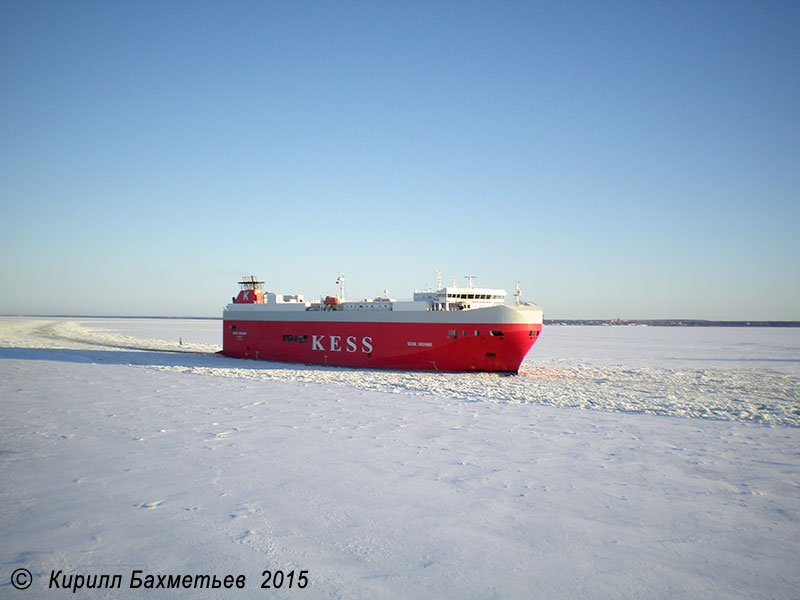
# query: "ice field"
[623,462]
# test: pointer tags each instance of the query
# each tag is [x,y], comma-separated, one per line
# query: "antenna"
[250,282]
[517,293]
[469,279]
[340,283]
[438,279]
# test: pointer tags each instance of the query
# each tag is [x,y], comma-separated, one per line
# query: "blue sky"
[621,159]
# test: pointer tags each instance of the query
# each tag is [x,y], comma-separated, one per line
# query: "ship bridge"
[458,298]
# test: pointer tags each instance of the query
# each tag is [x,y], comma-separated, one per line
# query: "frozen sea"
[622,462]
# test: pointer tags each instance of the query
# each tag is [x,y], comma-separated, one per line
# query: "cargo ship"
[446,329]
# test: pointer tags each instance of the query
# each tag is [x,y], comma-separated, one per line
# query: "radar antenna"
[250,282]
[340,283]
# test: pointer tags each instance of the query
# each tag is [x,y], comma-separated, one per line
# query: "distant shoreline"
[670,323]
[590,322]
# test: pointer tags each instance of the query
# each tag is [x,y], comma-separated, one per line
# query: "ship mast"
[340,283]
[250,282]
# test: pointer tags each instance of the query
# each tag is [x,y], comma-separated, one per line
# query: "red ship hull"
[461,346]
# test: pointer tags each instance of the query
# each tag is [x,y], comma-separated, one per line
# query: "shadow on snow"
[149,358]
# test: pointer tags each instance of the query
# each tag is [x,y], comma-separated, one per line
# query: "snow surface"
[124,449]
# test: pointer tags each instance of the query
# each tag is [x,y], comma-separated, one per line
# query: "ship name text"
[335,343]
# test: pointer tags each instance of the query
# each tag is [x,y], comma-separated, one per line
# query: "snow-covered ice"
[621,463]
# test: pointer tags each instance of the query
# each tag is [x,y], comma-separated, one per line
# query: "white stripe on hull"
[489,316]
